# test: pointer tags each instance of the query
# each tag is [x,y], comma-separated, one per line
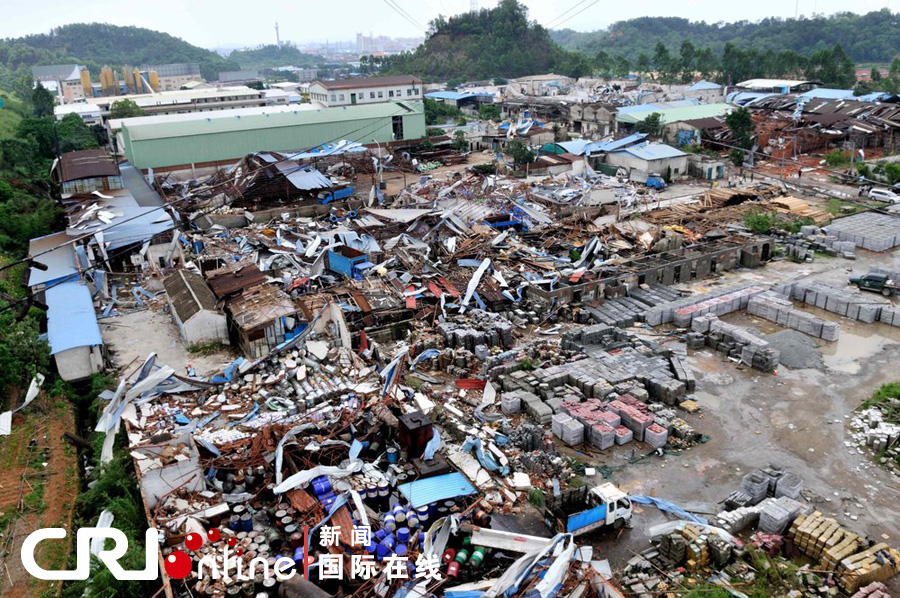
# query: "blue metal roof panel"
[653,151]
[828,93]
[146,224]
[71,321]
[576,146]
[60,261]
[431,490]
[610,146]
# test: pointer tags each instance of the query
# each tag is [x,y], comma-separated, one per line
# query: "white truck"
[584,510]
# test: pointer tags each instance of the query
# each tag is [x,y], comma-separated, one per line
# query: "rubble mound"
[797,351]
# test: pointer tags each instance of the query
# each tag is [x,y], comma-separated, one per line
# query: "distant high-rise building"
[277,35]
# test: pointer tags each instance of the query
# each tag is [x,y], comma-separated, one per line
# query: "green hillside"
[97,44]
[873,37]
[500,42]
[272,56]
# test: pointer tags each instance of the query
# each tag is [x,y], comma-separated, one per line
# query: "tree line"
[872,37]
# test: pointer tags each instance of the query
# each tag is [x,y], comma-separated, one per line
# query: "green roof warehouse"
[209,139]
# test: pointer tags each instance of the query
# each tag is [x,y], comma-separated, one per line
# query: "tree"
[740,123]
[42,100]
[460,143]
[439,112]
[688,55]
[74,135]
[41,132]
[519,152]
[652,125]
[643,64]
[125,109]
[500,81]
[875,74]
[661,57]
[489,112]
[434,132]
[832,67]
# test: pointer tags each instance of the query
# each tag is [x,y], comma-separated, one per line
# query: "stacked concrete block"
[779,309]
[733,298]
[635,420]
[656,436]
[873,590]
[737,520]
[890,316]
[853,305]
[777,514]
[789,485]
[719,305]
[602,436]
[870,230]
[568,429]
[756,485]
[683,374]
[610,418]
[623,435]
[510,403]
[539,411]
[739,342]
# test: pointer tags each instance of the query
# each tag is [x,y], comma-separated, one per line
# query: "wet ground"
[797,419]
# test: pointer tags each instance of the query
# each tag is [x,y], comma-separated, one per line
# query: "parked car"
[884,195]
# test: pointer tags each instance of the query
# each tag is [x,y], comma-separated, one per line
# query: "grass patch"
[839,207]
[760,222]
[884,394]
[526,364]
[208,348]
[10,115]
[536,497]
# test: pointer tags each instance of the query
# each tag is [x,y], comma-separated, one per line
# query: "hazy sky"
[213,23]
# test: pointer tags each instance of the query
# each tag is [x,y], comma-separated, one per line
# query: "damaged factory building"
[482,380]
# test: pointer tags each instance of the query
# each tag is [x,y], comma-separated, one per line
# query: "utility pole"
[277,35]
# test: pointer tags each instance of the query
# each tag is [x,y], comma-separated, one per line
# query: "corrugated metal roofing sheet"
[653,151]
[309,178]
[704,85]
[60,261]
[71,321]
[431,490]
[670,115]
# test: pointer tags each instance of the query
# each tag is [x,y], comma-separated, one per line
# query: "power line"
[396,8]
[562,14]
[567,19]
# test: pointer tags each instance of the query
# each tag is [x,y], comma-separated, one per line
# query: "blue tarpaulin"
[586,518]
[431,490]
[667,507]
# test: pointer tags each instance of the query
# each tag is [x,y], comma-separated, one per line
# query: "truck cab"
[878,283]
[584,510]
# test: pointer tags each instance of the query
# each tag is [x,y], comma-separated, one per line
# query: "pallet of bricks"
[843,552]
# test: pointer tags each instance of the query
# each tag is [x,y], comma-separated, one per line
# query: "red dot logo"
[231,541]
[239,552]
[213,535]
[193,541]
[178,565]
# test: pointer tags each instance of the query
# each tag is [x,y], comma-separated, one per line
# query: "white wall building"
[369,90]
